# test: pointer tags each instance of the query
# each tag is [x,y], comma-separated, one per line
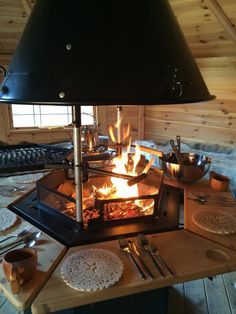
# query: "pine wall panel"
[209,28]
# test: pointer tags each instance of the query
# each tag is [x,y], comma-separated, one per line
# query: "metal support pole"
[78,163]
[119,136]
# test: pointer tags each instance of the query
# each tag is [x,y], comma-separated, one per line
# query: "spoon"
[9,190]
[203,201]
[28,244]
[212,198]
[19,235]
[155,251]
[143,243]
[30,237]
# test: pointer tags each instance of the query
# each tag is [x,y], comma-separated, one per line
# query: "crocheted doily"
[215,221]
[7,219]
[26,178]
[91,269]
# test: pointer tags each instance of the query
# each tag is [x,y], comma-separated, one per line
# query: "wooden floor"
[204,296]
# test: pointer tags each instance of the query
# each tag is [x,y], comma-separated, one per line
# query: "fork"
[155,251]
[124,246]
[215,198]
[19,235]
[135,250]
[33,236]
[203,201]
[143,243]
[28,244]
[6,190]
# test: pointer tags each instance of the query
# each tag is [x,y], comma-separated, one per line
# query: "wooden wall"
[209,28]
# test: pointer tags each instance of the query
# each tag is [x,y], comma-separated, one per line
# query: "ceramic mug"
[19,266]
[219,182]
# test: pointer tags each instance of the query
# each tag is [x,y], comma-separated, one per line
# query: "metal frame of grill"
[48,196]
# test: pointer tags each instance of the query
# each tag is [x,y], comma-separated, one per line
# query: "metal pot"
[194,166]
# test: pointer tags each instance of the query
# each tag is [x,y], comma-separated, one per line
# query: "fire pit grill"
[105,211]
[43,207]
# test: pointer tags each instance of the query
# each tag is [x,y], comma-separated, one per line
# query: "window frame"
[11,135]
[11,122]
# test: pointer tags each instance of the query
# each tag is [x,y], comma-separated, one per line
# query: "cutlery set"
[10,190]
[211,200]
[25,238]
[137,256]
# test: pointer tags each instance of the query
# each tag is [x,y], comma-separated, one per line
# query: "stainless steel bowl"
[194,166]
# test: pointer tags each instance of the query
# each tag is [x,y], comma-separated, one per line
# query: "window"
[37,116]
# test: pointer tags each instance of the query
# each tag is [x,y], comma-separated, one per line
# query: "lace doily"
[215,221]
[91,269]
[26,178]
[7,219]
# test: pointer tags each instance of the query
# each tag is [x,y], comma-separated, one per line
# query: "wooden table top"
[193,253]
[190,207]
[50,252]
[189,255]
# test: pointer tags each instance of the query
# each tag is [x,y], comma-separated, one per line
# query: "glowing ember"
[113,197]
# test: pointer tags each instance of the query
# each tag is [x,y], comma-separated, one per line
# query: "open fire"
[119,198]
[109,198]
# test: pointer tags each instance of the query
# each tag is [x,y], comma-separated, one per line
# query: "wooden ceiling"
[208,25]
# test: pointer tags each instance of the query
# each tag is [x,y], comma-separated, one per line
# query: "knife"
[29,237]
[135,250]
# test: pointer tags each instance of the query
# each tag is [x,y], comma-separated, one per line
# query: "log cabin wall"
[209,28]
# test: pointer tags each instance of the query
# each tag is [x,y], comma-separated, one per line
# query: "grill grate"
[16,158]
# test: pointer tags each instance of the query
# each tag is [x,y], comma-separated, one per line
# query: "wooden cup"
[219,182]
[19,266]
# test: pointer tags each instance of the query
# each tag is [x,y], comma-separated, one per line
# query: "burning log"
[121,210]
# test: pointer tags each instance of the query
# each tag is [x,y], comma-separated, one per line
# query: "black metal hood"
[103,52]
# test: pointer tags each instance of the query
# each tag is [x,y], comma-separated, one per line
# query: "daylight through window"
[37,116]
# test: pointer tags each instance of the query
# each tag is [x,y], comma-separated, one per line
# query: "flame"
[125,130]
[121,162]
[111,132]
[126,163]
[118,122]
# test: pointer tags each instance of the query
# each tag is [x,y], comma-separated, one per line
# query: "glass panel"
[22,109]
[54,120]
[87,115]
[37,119]
[44,116]
[53,109]
[37,109]
[20,121]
